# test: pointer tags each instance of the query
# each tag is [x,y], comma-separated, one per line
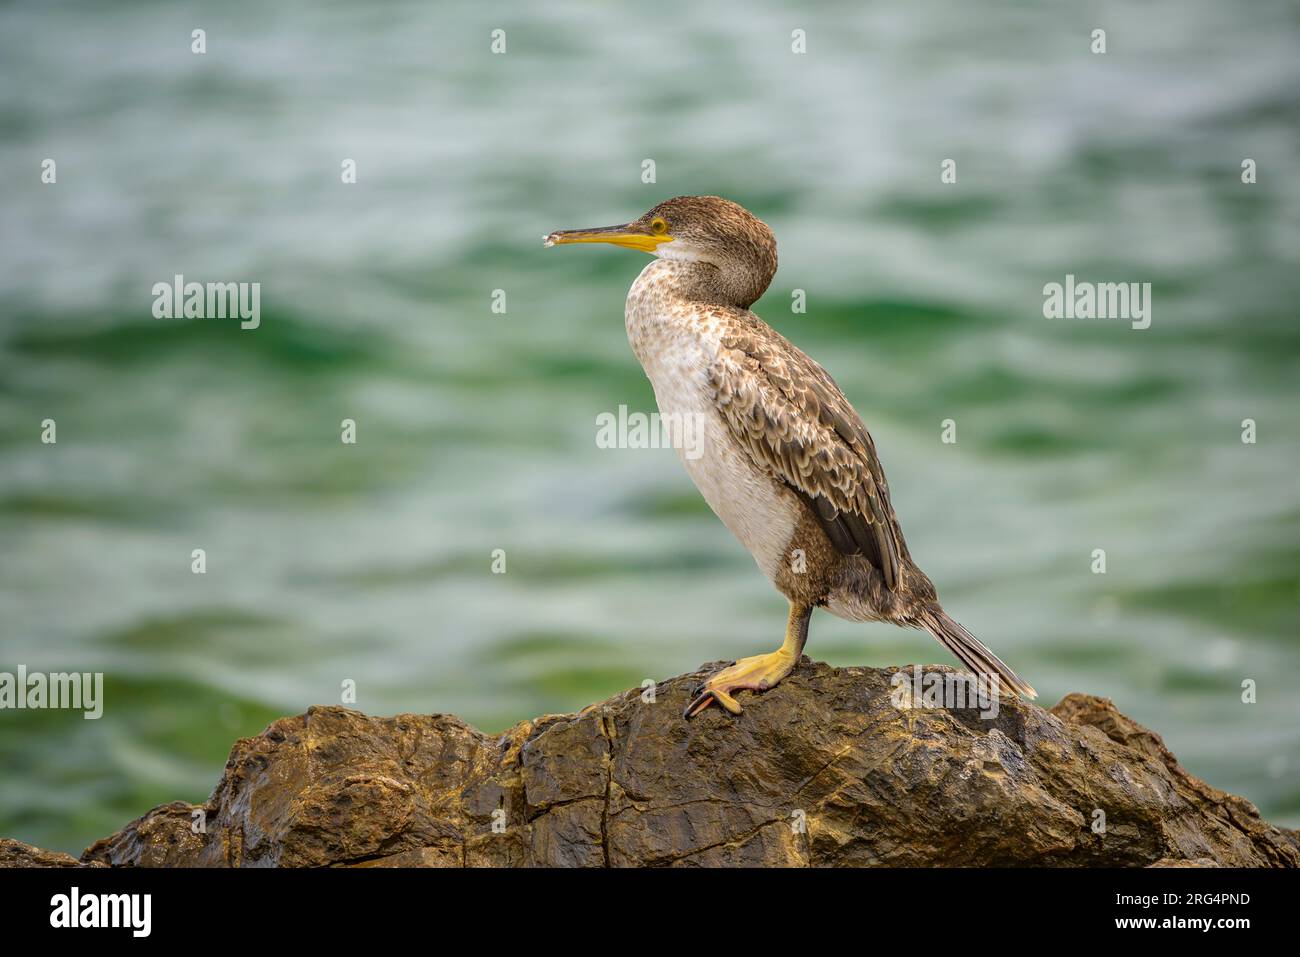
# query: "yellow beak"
[628,235]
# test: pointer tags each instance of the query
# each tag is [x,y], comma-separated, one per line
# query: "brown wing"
[790,415]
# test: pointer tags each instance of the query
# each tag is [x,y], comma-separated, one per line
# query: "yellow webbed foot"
[758,673]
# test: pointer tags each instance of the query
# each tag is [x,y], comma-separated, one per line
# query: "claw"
[706,698]
[697,704]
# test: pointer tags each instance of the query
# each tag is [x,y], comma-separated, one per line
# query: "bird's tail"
[969,650]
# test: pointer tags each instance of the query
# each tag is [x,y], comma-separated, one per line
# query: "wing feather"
[787,411]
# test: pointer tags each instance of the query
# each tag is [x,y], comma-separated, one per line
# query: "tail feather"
[970,651]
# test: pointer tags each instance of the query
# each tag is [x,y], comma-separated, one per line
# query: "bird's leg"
[758,673]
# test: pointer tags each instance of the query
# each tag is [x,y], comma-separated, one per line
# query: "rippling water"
[476,431]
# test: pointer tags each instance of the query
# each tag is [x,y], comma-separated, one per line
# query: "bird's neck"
[674,302]
[735,284]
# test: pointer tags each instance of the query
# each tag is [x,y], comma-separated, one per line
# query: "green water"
[476,431]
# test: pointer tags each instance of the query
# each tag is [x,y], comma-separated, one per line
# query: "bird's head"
[734,248]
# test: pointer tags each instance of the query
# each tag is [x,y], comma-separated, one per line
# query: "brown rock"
[18,854]
[823,770]
[165,837]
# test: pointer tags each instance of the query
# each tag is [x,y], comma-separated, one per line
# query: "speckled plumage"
[786,463]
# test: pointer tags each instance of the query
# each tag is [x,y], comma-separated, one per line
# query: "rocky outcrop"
[18,854]
[824,770]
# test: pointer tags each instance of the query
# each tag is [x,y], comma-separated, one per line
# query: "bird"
[780,455]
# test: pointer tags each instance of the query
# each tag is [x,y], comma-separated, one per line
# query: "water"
[371,563]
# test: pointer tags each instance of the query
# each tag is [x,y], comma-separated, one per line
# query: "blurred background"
[476,431]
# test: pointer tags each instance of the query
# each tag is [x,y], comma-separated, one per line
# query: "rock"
[18,854]
[170,835]
[823,770]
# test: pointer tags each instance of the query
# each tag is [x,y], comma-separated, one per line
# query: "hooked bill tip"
[548,239]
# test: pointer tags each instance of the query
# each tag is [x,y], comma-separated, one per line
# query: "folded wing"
[792,418]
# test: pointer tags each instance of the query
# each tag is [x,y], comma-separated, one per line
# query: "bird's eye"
[658,225]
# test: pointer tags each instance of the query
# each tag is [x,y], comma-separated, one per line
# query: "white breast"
[676,343]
